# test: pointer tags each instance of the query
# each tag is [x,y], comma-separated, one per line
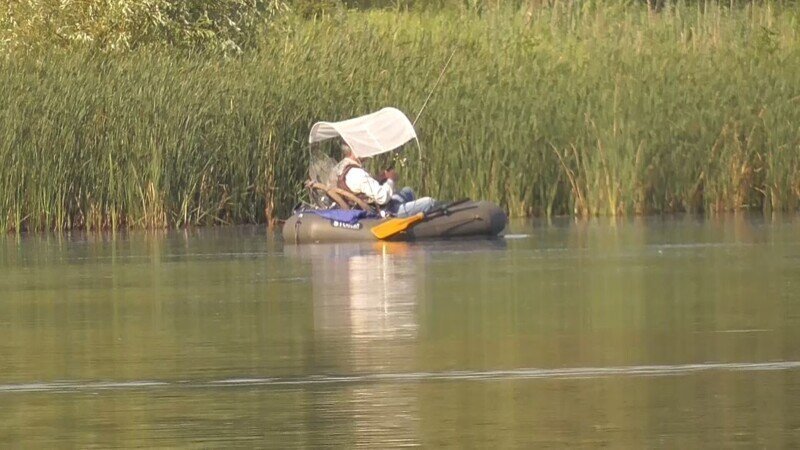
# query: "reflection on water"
[368,291]
[366,294]
[636,333]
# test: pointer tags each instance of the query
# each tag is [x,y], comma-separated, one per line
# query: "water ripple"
[491,375]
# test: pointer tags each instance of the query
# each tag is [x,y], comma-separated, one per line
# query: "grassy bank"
[580,110]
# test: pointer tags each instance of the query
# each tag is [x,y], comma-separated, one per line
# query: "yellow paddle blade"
[394,226]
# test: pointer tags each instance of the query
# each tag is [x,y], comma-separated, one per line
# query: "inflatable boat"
[472,218]
[332,214]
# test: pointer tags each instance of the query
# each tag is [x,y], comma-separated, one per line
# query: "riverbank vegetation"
[585,108]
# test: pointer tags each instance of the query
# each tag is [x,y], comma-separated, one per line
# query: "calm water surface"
[673,333]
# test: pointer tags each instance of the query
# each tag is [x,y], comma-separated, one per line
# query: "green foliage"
[314,8]
[601,110]
[128,24]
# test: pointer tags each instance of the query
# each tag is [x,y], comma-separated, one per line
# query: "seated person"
[352,177]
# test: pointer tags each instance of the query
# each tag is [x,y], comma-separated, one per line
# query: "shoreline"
[274,231]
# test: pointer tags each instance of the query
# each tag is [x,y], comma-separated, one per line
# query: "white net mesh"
[322,169]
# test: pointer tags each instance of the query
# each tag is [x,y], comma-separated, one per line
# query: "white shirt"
[360,182]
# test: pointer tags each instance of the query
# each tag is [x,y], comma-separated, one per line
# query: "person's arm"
[360,182]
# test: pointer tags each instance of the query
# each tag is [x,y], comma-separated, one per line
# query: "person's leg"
[403,195]
[414,207]
[408,194]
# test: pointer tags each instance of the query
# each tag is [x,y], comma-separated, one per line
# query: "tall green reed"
[575,108]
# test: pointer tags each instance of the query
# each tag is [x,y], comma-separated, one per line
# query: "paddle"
[397,225]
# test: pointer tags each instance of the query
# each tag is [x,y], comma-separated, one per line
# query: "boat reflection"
[370,293]
[366,293]
[365,308]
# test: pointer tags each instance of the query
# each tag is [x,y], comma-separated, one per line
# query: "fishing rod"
[439,80]
[425,103]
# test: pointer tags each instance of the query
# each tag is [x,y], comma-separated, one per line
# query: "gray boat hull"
[480,218]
